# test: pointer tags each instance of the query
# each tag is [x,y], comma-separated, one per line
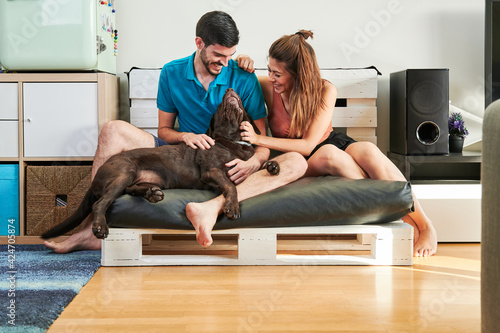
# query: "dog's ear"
[210,129]
[246,117]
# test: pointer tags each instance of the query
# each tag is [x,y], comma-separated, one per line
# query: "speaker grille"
[427,97]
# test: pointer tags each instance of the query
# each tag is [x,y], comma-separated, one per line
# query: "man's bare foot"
[81,241]
[203,217]
[426,245]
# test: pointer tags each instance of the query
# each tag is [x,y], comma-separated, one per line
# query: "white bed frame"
[387,244]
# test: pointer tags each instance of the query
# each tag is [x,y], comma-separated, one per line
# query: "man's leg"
[204,215]
[116,136]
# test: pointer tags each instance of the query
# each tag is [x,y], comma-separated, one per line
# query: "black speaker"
[419,111]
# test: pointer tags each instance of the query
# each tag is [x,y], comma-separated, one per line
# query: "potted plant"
[457,131]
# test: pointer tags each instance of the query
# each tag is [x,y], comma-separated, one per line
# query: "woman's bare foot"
[83,240]
[203,217]
[426,245]
[424,240]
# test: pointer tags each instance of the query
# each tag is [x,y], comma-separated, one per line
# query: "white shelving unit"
[52,118]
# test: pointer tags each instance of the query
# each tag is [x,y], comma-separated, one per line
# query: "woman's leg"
[378,166]
[330,160]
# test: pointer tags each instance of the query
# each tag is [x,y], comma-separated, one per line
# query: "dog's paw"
[100,231]
[272,167]
[231,211]
[154,194]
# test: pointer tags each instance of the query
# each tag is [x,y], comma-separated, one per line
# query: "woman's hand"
[245,62]
[248,133]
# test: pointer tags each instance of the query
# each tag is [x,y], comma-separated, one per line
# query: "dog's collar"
[243,143]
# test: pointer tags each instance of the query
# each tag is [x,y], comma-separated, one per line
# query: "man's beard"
[206,63]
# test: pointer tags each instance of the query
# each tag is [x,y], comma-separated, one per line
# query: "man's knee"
[113,128]
[117,136]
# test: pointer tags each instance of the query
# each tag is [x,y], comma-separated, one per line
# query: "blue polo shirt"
[179,91]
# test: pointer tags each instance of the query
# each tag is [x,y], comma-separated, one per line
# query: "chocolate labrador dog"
[145,171]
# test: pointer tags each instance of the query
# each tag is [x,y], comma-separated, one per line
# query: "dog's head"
[228,117]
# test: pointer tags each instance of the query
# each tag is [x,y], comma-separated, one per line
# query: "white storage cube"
[9,101]
[60,119]
[9,146]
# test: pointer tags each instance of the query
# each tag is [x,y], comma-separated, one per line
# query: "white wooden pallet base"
[391,244]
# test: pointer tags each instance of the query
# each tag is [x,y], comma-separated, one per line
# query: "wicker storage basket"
[52,194]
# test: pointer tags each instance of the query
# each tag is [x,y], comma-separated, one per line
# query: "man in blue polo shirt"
[190,89]
[181,95]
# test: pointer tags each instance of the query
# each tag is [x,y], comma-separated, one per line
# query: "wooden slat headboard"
[356,108]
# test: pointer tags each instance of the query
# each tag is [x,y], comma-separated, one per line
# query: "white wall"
[391,34]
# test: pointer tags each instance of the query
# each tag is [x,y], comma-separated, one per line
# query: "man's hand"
[245,62]
[240,170]
[196,141]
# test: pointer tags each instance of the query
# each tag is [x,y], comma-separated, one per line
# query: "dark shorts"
[159,142]
[339,140]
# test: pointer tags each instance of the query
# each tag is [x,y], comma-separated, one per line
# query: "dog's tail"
[75,219]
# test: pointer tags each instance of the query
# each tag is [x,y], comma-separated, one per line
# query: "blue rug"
[38,284]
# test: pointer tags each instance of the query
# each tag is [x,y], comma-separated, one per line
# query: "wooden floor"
[437,294]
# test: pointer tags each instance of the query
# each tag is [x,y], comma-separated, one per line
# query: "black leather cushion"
[313,201]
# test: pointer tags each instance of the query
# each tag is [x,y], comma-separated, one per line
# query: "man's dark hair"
[218,28]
